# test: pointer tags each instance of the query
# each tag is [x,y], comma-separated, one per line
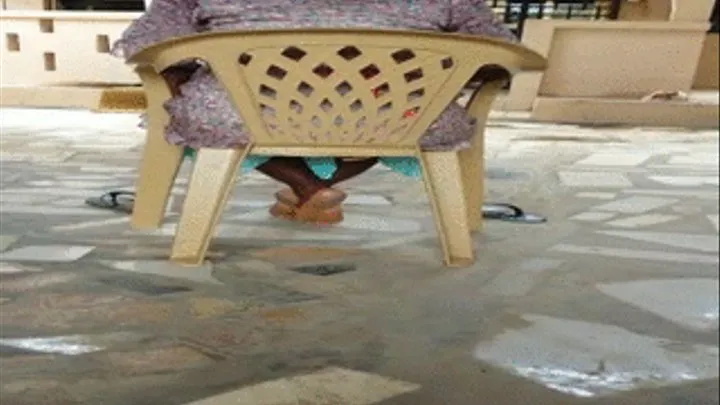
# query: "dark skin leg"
[348,169]
[299,177]
[296,174]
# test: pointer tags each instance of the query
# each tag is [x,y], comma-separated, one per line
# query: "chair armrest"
[157,92]
[488,73]
[480,103]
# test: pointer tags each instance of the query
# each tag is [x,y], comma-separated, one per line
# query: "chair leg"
[472,164]
[473,159]
[210,185]
[160,160]
[158,168]
[445,188]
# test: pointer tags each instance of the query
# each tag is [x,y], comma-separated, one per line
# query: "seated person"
[201,114]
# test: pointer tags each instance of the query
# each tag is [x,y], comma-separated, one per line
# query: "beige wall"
[706,76]
[61,47]
[625,59]
[666,10]
[691,10]
[645,10]
[622,59]
[537,35]
[28,4]
[594,111]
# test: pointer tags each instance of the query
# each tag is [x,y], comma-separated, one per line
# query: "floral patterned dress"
[203,116]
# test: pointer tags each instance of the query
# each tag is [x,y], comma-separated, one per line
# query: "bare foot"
[283,211]
[328,216]
[325,198]
[322,207]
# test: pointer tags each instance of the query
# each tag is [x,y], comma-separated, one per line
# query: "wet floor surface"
[613,301]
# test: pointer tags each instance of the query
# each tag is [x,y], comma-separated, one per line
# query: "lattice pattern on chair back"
[338,87]
[343,95]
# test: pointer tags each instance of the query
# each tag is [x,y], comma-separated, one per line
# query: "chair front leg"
[160,160]
[158,169]
[472,160]
[210,185]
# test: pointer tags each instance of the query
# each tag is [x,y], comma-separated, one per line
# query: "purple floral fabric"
[202,115]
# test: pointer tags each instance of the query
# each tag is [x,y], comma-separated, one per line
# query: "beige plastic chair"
[326,92]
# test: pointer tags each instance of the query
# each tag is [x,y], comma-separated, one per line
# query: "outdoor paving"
[612,302]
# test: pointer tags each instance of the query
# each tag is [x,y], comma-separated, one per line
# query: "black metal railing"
[514,13]
[102,5]
[715,18]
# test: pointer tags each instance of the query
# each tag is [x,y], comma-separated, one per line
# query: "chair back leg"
[212,180]
[443,178]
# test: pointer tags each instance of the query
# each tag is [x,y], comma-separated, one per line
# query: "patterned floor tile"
[635,205]
[695,159]
[91,224]
[326,387]
[29,282]
[520,280]
[304,253]
[207,307]
[692,303]
[157,360]
[636,254]
[367,199]
[714,219]
[42,396]
[8,268]
[47,193]
[686,181]
[143,286]
[594,179]
[17,199]
[630,159]
[379,224]
[6,241]
[593,216]
[642,220]
[202,274]
[31,384]
[596,195]
[703,243]
[47,253]
[703,194]
[7,209]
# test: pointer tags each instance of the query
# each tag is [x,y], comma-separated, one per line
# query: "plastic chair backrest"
[340,87]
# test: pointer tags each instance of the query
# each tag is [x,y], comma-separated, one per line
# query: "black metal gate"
[715,18]
[514,13]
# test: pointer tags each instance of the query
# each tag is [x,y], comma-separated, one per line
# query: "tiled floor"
[613,301]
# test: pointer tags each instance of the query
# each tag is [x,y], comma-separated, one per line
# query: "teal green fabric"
[325,167]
